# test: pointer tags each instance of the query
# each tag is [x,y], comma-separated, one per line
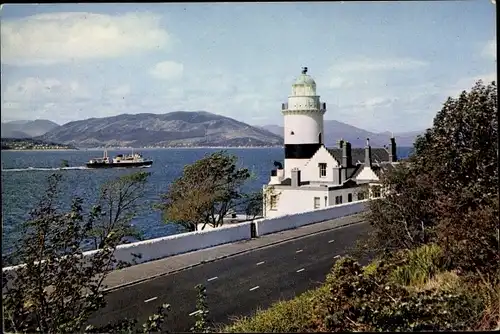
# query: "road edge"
[141,280]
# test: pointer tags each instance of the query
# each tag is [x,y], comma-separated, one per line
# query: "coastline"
[45,150]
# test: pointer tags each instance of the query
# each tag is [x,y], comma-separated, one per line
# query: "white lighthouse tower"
[303,123]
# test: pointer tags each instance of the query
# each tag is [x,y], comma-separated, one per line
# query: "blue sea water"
[24,180]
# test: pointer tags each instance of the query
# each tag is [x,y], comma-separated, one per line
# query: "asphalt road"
[236,286]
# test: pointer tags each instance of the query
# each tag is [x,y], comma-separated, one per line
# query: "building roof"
[356,171]
[358,155]
[288,182]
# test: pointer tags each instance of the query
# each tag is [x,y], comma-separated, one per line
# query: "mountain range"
[335,130]
[175,129]
[27,129]
[181,129]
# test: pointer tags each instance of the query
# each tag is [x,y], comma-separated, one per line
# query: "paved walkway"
[148,270]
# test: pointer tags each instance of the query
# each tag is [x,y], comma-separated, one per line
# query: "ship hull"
[120,164]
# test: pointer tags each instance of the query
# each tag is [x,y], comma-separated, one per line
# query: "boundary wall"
[155,249]
[287,222]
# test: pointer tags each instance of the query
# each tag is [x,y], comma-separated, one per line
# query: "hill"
[26,129]
[335,130]
[175,129]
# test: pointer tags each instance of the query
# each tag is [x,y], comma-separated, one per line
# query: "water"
[24,180]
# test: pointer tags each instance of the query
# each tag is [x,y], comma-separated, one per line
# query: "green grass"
[423,264]
[284,316]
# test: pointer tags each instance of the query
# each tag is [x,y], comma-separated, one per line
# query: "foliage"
[471,240]
[422,263]
[39,300]
[253,205]
[117,206]
[284,316]
[206,192]
[403,218]
[35,297]
[360,302]
[269,193]
[448,190]
[201,324]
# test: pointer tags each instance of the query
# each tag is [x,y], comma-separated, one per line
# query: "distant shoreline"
[176,147]
[142,148]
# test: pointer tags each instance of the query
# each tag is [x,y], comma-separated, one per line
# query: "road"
[236,286]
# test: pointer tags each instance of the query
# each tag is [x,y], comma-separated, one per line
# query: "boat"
[121,160]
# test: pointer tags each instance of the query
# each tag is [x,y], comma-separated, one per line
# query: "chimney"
[393,157]
[368,153]
[340,143]
[295,177]
[346,155]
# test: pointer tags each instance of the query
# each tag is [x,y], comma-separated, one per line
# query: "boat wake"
[42,169]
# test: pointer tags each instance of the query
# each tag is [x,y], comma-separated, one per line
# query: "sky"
[380,66]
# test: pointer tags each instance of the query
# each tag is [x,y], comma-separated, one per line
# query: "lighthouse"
[303,123]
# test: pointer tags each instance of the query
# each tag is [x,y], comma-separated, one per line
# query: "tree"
[117,206]
[206,192]
[402,219]
[450,181]
[253,205]
[56,289]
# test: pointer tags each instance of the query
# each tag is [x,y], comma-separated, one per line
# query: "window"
[349,198]
[376,192]
[292,133]
[338,199]
[361,195]
[322,170]
[326,201]
[316,202]
[274,202]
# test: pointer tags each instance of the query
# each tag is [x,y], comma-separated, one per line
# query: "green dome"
[305,79]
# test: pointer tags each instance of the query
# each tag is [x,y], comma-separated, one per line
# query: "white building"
[313,176]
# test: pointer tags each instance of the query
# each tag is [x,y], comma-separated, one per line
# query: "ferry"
[121,160]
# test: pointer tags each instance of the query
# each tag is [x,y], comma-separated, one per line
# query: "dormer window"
[322,170]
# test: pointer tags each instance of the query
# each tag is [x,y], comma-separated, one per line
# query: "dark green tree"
[206,192]
[450,181]
[56,288]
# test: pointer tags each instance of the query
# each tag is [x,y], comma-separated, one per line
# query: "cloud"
[120,91]
[366,73]
[33,90]
[364,64]
[47,39]
[466,83]
[490,49]
[167,70]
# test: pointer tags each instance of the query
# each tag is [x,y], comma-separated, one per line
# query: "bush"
[360,302]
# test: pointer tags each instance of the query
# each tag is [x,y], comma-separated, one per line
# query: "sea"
[25,173]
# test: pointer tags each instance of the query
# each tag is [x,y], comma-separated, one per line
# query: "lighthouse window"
[322,169]
[292,133]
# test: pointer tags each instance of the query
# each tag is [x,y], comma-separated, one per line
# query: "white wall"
[295,201]
[306,127]
[286,222]
[158,248]
[291,164]
[310,171]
